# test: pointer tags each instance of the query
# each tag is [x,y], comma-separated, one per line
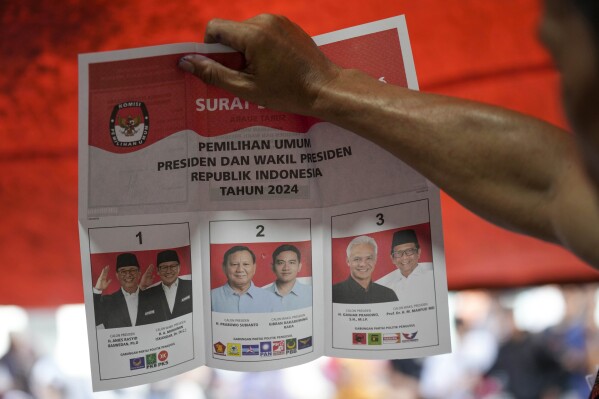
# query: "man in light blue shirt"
[239,294]
[286,264]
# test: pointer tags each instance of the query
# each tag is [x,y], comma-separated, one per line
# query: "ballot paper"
[217,232]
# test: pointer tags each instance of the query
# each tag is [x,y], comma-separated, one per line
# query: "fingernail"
[185,65]
[188,62]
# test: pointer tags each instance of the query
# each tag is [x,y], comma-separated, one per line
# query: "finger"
[213,73]
[229,33]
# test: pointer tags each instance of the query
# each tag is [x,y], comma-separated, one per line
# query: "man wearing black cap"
[172,297]
[359,287]
[413,282]
[126,306]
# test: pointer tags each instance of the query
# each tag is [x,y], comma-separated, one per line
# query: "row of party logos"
[383,338]
[265,348]
[149,361]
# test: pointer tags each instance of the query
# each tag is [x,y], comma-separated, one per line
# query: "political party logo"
[410,337]
[129,124]
[394,338]
[304,343]
[162,356]
[219,348]
[278,348]
[233,349]
[137,363]
[359,338]
[291,345]
[266,348]
[151,359]
[374,339]
[250,350]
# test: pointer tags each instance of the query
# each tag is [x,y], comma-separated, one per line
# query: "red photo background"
[263,251]
[145,259]
[383,240]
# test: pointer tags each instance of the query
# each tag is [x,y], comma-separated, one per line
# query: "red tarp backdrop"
[480,50]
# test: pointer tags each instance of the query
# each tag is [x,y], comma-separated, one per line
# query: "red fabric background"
[480,50]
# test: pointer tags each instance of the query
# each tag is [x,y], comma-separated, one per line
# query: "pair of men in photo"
[137,301]
[240,295]
[411,282]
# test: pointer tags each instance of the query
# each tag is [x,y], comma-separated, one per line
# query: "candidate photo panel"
[383,280]
[367,266]
[362,247]
[123,278]
[142,298]
[260,272]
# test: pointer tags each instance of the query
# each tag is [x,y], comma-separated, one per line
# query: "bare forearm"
[516,171]
[500,164]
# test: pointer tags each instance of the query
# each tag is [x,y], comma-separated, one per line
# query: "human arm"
[514,170]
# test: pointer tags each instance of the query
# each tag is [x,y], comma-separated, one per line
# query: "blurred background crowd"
[537,343]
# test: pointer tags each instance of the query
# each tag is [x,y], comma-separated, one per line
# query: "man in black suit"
[359,287]
[172,297]
[127,306]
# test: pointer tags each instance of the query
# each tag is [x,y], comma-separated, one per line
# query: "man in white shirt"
[413,282]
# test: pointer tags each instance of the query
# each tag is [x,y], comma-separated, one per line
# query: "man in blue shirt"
[286,264]
[239,294]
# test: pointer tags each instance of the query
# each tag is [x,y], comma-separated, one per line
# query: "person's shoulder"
[389,278]
[306,290]
[185,283]
[305,287]
[385,290]
[381,287]
[262,292]
[113,299]
[153,290]
[341,284]
[114,295]
[269,287]
[218,289]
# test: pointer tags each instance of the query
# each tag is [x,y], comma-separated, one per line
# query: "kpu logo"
[129,124]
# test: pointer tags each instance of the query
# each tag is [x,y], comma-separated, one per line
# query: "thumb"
[214,73]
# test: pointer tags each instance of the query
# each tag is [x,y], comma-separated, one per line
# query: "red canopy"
[481,50]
